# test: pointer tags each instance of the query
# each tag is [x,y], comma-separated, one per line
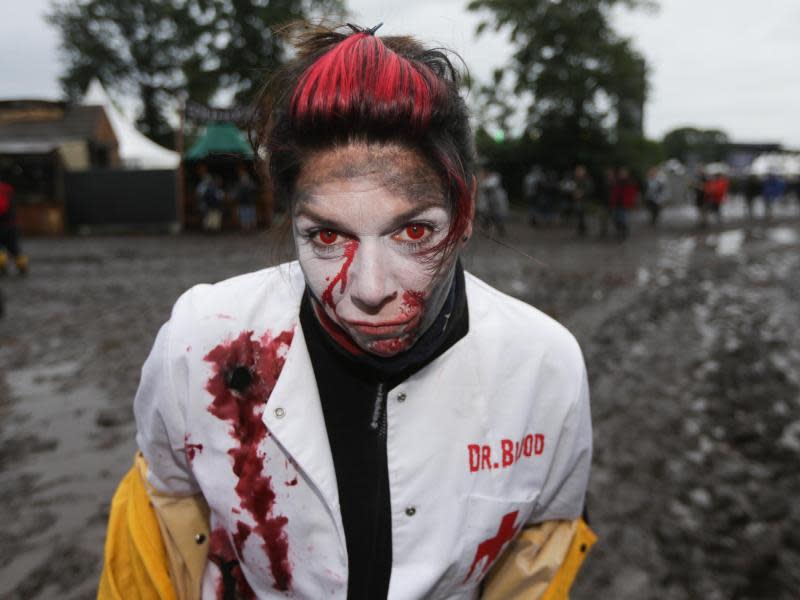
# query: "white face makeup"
[363,216]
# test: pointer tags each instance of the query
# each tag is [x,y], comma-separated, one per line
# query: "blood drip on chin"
[243,408]
[392,346]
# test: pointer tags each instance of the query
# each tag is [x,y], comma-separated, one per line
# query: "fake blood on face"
[412,301]
[245,371]
[341,277]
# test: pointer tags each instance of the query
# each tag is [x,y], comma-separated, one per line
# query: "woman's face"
[363,215]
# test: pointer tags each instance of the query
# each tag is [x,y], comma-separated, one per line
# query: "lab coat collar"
[294,418]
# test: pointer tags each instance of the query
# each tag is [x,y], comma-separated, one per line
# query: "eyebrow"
[304,210]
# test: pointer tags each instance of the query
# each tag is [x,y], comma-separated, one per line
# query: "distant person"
[548,197]
[715,191]
[581,189]
[655,194]
[624,195]
[774,189]
[603,195]
[493,201]
[752,190]
[9,233]
[531,191]
[244,193]
[209,199]
[698,186]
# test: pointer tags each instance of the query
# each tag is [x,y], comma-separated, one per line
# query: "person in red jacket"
[9,235]
[716,192]
[624,194]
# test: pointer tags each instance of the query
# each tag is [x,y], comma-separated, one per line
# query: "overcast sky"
[731,64]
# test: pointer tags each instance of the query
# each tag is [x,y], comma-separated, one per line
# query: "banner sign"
[198,112]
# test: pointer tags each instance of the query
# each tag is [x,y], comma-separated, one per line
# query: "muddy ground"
[691,340]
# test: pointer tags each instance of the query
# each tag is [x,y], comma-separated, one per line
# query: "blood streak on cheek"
[413,301]
[245,371]
[341,277]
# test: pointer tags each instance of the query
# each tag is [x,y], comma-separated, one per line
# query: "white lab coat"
[499,424]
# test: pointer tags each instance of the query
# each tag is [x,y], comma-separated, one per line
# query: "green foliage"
[581,85]
[691,145]
[159,50]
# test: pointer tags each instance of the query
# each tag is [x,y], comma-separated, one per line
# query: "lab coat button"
[401,397]
[280,413]
[411,511]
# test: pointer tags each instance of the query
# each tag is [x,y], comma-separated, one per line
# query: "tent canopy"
[135,150]
[220,139]
[778,164]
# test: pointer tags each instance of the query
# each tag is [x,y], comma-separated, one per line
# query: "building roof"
[75,122]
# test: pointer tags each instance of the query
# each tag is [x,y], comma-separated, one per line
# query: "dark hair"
[349,86]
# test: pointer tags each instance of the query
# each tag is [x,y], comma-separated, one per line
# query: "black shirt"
[352,391]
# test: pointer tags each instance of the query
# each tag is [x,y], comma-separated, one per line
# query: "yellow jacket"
[156,549]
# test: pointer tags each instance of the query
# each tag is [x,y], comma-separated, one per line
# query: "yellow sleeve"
[541,563]
[134,562]
[156,545]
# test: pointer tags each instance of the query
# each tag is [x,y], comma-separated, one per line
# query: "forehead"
[401,171]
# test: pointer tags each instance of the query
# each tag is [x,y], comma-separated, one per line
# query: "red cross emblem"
[490,549]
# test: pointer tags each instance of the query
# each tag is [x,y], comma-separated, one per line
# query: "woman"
[369,421]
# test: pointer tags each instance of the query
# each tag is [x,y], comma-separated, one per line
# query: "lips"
[383,328]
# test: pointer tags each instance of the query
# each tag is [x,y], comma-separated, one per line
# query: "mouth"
[390,328]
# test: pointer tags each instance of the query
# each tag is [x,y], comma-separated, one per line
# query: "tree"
[691,145]
[158,50]
[581,85]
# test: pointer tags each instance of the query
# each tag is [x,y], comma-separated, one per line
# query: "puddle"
[730,242]
[49,439]
[784,235]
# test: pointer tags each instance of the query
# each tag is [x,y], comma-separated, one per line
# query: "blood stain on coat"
[292,482]
[490,549]
[191,449]
[243,407]
[232,579]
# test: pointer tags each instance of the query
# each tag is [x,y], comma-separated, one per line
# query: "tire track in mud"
[696,407]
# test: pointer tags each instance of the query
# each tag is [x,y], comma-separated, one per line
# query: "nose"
[371,281]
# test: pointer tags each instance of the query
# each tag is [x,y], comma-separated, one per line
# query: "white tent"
[777,164]
[135,150]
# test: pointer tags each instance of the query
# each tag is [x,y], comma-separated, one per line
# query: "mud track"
[691,341]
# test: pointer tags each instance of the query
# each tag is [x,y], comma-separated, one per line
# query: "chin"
[389,347]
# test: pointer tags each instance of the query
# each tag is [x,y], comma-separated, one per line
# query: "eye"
[328,236]
[413,232]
